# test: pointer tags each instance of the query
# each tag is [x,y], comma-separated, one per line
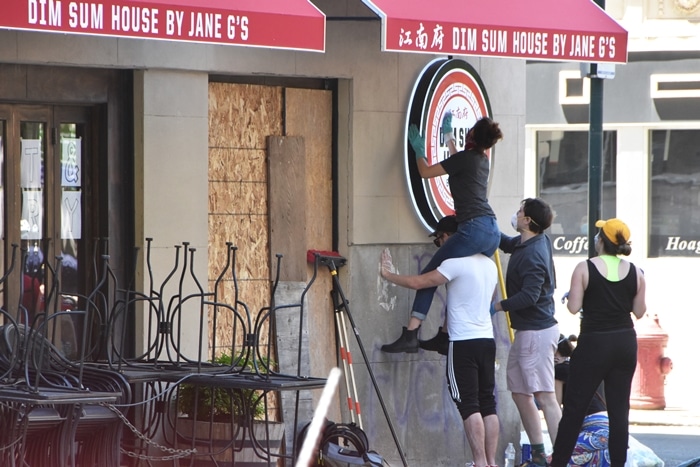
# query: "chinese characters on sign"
[497,42]
[405,38]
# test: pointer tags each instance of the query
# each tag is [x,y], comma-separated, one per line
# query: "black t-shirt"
[468,172]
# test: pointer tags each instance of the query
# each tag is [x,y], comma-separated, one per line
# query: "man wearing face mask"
[530,283]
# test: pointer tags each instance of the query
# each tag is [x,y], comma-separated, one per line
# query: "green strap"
[613,265]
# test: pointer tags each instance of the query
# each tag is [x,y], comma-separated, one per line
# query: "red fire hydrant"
[652,365]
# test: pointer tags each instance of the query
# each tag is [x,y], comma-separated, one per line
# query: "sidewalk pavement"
[670,416]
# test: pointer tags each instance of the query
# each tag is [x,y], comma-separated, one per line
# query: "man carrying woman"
[468,172]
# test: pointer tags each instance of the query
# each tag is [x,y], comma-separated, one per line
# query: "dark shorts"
[471,376]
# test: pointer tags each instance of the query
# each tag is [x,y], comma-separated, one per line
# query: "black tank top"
[607,305]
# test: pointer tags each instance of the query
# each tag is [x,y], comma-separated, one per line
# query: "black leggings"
[609,357]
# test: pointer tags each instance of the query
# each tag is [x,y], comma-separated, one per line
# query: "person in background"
[606,290]
[592,443]
[470,282]
[530,283]
[32,284]
[565,347]
[468,172]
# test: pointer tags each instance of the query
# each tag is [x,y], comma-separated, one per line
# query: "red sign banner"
[280,24]
[559,30]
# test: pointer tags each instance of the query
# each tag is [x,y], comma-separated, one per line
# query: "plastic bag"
[639,455]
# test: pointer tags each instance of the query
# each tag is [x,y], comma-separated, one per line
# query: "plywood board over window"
[240,119]
[267,208]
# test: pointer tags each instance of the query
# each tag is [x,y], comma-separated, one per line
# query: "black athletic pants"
[609,357]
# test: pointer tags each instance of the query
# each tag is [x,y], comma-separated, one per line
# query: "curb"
[664,418]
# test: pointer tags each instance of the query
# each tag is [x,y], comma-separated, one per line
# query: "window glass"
[32,182]
[32,179]
[675,193]
[562,158]
[71,210]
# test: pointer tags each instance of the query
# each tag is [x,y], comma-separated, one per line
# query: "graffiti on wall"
[419,393]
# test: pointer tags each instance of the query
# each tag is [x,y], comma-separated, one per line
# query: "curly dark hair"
[486,133]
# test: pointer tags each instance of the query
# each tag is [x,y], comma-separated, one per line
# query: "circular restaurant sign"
[444,85]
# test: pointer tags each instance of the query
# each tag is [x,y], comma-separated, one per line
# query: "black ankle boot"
[408,342]
[440,343]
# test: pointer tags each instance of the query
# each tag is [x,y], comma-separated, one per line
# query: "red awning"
[562,30]
[279,24]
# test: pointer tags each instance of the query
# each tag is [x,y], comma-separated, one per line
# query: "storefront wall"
[374,208]
[634,115]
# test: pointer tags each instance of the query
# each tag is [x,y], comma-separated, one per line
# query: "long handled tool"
[501,282]
[332,261]
[496,255]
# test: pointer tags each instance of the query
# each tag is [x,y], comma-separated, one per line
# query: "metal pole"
[595,160]
[595,152]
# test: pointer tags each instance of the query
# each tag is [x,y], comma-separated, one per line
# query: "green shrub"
[221,403]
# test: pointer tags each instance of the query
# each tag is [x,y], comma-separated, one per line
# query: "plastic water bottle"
[510,455]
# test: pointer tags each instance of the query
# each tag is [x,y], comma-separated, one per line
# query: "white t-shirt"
[471,283]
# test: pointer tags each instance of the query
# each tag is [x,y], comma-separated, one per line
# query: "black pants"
[471,376]
[609,357]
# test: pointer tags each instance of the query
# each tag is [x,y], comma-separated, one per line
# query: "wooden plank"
[229,197]
[309,113]
[241,117]
[287,205]
[237,165]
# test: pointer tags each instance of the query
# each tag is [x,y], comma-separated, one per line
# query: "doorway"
[49,197]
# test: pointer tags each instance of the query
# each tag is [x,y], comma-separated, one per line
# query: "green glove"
[447,122]
[447,127]
[417,142]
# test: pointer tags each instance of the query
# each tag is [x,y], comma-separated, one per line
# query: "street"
[673,444]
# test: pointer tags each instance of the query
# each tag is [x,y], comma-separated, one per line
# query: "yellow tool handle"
[502,283]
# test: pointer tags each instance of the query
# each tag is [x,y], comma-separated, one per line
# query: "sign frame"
[444,84]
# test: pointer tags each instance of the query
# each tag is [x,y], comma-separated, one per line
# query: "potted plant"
[211,418]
